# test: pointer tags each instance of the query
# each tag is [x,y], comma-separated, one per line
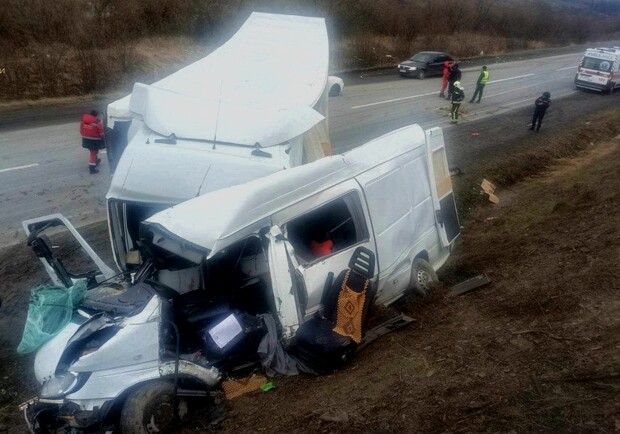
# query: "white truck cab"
[599,69]
[256,105]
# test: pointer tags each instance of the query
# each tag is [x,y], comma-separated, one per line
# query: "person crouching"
[91,129]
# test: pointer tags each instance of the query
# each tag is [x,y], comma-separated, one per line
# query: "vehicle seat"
[327,341]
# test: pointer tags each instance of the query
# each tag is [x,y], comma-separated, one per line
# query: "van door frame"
[446,215]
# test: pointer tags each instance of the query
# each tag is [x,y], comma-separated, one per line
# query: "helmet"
[546,95]
[457,84]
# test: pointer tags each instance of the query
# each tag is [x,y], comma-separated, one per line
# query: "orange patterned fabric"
[350,311]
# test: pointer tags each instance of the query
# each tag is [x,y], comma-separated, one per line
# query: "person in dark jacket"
[540,108]
[483,79]
[91,129]
[458,95]
[455,75]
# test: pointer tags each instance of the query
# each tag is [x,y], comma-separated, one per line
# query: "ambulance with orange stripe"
[599,70]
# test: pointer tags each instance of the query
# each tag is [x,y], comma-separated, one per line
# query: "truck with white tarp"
[254,106]
[599,69]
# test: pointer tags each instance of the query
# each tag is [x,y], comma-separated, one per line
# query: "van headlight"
[63,384]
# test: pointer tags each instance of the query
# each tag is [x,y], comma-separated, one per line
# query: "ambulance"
[599,70]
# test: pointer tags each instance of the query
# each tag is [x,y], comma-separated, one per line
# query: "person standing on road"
[540,108]
[91,129]
[458,95]
[483,79]
[447,65]
[455,75]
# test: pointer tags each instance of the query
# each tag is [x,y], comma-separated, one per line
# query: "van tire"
[149,409]
[423,277]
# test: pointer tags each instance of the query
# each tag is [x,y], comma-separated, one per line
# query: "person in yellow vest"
[483,79]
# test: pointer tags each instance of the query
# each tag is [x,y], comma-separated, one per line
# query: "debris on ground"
[236,387]
[469,285]
[489,188]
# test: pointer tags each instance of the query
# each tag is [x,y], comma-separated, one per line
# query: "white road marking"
[395,99]
[19,167]
[568,67]
[510,78]
[430,93]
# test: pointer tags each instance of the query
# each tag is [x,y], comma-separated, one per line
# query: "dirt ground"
[537,350]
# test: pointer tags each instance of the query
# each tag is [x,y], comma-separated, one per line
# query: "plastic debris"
[469,285]
[268,386]
[49,311]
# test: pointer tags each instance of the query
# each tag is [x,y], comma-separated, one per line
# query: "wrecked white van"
[255,106]
[244,276]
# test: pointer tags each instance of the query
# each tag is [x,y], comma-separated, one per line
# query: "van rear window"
[596,64]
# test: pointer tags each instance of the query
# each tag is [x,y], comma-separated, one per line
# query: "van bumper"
[592,86]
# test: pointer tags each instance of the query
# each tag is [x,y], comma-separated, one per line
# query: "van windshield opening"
[596,64]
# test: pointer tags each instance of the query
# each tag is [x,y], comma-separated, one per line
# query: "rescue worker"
[540,108]
[455,75]
[483,79]
[458,95]
[91,129]
[444,79]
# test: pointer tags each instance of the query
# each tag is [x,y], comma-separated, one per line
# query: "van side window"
[328,229]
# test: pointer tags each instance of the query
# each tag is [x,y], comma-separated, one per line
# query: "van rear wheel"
[423,277]
[150,409]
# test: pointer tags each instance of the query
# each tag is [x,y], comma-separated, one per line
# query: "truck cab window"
[328,229]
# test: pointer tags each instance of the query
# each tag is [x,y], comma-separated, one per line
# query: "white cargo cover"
[260,86]
[218,219]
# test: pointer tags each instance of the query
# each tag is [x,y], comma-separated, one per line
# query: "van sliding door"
[446,214]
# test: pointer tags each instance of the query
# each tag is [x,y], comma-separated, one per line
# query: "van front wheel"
[150,409]
[423,277]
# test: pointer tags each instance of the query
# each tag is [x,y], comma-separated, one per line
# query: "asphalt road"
[43,169]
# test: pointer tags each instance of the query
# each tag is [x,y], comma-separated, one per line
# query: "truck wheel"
[423,277]
[422,74]
[149,409]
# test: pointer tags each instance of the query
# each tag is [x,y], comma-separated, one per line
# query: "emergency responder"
[91,129]
[455,75]
[540,108]
[458,95]
[444,79]
[483,79]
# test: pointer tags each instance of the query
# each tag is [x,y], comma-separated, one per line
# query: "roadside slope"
[536,350]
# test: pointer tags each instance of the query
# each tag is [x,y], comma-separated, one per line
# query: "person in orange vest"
[447,65]
[91,129]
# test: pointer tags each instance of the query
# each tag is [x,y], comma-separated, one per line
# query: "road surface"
[44,170]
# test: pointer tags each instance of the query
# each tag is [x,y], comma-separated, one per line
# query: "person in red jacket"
[91,129]
[447,65]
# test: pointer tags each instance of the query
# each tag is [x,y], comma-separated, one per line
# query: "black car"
[424,64]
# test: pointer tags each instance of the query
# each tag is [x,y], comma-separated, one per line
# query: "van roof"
[217,219]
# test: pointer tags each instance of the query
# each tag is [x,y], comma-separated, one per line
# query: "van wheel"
[149,409]
[423,277]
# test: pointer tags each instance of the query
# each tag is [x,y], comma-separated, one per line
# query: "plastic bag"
[49,311]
